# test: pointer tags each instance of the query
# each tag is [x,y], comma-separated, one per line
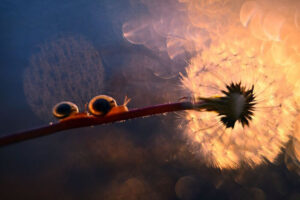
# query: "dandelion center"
[237,104]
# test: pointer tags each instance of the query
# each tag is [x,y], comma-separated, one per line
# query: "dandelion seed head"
[268,127]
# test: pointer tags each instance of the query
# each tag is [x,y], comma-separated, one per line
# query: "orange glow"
[256,52]
[271,126]
[255,42]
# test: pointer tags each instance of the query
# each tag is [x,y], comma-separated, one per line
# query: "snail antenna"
[126,100]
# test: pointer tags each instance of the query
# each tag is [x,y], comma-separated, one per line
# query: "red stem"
[89,120]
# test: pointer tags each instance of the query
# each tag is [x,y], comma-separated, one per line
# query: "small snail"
[64,109]
[105,105]
[101,105]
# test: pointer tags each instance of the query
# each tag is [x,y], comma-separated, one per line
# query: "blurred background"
[73,50]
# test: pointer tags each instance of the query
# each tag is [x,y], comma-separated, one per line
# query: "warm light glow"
[255,42]
[272,121]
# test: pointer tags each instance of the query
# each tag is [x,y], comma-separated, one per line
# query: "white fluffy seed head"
[272,117]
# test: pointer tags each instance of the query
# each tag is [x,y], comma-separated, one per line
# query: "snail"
[105,105]
[64,109]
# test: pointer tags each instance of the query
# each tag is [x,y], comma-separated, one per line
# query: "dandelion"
[253,109]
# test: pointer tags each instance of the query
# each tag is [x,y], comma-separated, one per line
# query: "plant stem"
[83,120]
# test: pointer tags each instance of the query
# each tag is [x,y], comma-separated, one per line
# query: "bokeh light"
[255,42]
[64,69]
